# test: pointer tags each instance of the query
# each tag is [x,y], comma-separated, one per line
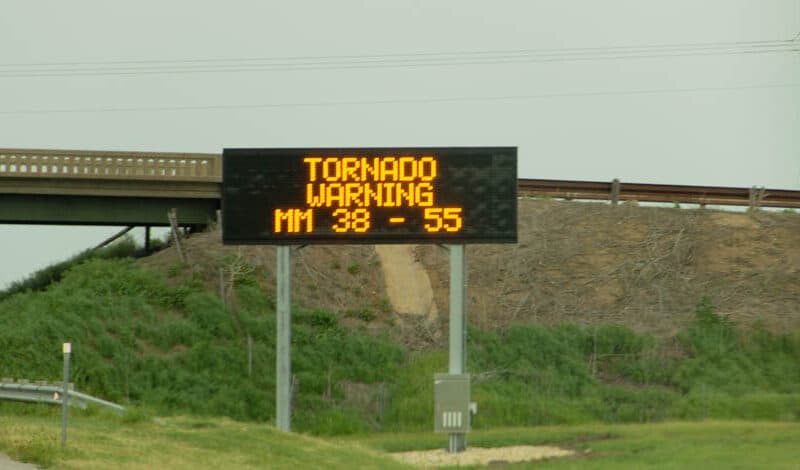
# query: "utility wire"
[705,45]
[386,61]
[434,100]
[363,65]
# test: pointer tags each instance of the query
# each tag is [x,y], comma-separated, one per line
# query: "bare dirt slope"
[577,262]
[407,282]
[643,267]
[480,456]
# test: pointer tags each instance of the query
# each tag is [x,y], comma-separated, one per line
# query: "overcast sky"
[710,96]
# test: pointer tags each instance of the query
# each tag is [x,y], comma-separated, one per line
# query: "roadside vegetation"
[99,441]
[104,441]
[163,344]
[40,280]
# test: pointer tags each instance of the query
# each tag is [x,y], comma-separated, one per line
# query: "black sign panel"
[369,195]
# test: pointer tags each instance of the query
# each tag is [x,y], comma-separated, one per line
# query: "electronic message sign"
[370,195]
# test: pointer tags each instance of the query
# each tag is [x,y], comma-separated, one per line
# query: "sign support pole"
[283,368]
[458,328]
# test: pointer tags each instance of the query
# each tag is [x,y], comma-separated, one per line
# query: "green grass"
[714,445]
[177,349]
[671,445]
[40,280]
[170,346]
[103,441]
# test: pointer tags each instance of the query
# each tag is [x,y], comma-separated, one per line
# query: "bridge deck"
[111,165]
[107,188]
[138,188]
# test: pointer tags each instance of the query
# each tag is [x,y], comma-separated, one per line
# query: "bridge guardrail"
[616,191]
[110,165]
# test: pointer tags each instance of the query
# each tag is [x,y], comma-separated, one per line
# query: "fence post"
[295,391]
[222,294]
[249,355]
[615,192]
[172,214]
[756,196]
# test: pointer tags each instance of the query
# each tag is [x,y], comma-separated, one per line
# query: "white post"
[67,349]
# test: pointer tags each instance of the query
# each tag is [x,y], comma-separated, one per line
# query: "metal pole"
[283,366]
[147,239]
[458,332]
[249,355]
[67,349]
[114,237]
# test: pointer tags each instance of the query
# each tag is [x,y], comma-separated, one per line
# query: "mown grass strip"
[673,445]
[101,442]
[104,441]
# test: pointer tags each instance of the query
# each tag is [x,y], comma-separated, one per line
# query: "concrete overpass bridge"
[67,187]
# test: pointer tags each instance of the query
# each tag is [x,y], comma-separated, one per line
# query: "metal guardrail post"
[67,348]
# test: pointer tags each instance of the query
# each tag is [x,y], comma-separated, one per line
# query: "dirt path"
[407,281]
[481,456]
[7,464]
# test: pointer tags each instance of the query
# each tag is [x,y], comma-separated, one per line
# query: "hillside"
[642,267]
[614,314]
[587,263]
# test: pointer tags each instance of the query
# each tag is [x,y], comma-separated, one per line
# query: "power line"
[698,45]
[429,59]
[435,100]
[367,65]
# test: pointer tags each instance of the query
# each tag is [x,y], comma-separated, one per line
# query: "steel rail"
[51,393]
[678,194]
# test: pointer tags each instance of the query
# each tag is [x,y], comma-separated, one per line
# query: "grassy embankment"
[166,346]
[43,278]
